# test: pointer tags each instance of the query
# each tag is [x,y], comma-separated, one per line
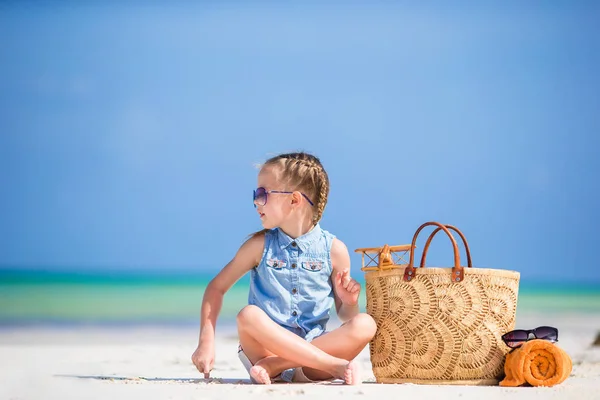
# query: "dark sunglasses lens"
[260,196]
[515,338]
[546,333]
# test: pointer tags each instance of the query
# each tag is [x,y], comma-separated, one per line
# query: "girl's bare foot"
[348,371]
[352,375]
[260,375]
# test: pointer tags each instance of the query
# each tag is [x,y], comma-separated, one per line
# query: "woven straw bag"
[438,325]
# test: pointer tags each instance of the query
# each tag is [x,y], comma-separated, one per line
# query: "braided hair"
[303,172]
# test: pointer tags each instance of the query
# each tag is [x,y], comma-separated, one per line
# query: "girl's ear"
[296,197]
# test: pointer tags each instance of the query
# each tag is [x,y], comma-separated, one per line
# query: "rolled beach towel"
[538,363]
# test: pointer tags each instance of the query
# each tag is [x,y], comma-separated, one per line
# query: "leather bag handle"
[457,270]
[455,229]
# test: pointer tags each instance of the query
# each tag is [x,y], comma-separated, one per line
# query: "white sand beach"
[154,363]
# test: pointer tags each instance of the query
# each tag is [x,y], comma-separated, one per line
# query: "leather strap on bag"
[455,229]
[457,270]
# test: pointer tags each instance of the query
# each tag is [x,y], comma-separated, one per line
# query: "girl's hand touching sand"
[204,359]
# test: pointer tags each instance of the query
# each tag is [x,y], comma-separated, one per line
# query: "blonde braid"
[305,172]
[320,182]
[323,181]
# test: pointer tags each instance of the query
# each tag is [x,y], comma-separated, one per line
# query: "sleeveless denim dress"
[292,282]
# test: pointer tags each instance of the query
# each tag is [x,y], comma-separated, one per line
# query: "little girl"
[298,271]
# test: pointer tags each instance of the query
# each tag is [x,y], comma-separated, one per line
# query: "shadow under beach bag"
[438,325]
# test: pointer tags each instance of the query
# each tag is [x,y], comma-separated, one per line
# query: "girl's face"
[279,206]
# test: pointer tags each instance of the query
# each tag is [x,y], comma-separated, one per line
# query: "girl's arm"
[345,289]
[247,257]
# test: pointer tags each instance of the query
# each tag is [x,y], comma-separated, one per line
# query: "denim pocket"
[312,265]
[275,263]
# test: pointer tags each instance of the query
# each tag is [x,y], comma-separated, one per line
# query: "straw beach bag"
[437,325]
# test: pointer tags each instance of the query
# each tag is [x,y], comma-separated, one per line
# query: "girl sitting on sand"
[298,271]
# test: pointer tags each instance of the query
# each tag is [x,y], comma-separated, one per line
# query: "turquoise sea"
[35,297]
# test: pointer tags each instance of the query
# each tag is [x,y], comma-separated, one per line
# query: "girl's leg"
[255,351]
[254,323]
[345,342]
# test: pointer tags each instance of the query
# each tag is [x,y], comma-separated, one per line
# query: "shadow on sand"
[221,381]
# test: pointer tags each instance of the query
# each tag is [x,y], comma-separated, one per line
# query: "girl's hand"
[346,288]
[204,359]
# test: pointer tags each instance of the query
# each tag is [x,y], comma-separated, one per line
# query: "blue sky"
[129,133]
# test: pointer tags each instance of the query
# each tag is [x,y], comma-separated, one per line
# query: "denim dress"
[292,282]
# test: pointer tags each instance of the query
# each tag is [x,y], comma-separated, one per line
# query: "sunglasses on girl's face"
[517,337]
[260,196]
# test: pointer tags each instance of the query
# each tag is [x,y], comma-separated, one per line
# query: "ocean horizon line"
[138,298]
[133,276]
